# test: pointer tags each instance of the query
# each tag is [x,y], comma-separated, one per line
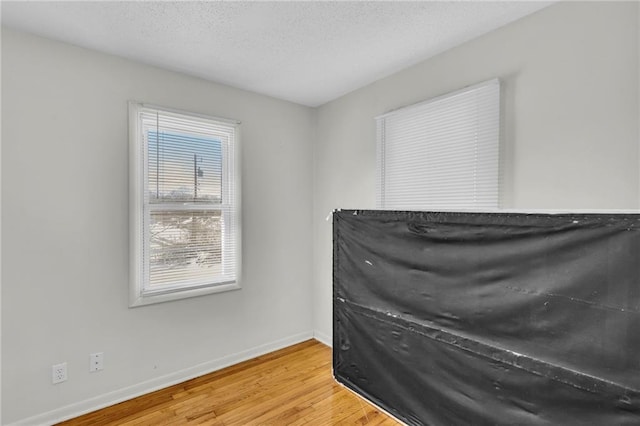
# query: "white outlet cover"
[59,373]
[96,362]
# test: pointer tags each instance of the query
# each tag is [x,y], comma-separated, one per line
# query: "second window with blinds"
[441,154]
[184,201]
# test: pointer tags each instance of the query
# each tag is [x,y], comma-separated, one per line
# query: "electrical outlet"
[59,373]
[96,362]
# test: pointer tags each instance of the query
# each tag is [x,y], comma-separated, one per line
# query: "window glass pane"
[183,167]
[186,247]
[185,239]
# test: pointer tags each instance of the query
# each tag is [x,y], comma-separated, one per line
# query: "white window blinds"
[188,212]
[441,154]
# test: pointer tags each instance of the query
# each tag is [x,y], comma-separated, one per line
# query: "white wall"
[570,128]
[65,234]
[570,88]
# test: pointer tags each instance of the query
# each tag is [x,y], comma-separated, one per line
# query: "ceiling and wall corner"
[304,52]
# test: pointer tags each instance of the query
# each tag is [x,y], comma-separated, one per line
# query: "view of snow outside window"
[185,216]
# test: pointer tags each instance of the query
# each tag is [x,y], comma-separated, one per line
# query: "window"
[184,192]
[441,154]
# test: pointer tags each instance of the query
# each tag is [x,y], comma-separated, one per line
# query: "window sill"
[150,299]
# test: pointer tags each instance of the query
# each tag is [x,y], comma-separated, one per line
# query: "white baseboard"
[323,338]
[88,405]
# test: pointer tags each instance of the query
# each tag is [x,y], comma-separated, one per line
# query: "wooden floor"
[293,386]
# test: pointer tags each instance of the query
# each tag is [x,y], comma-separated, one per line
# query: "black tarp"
[489,318]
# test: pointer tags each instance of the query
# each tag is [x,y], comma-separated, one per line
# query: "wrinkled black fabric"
[490,318]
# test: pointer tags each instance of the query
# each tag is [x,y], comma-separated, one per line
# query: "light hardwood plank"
[293,386]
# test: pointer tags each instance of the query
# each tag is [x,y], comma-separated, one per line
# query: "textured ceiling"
[304,52]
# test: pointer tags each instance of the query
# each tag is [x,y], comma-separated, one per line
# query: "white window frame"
[139,208]
[421,136]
